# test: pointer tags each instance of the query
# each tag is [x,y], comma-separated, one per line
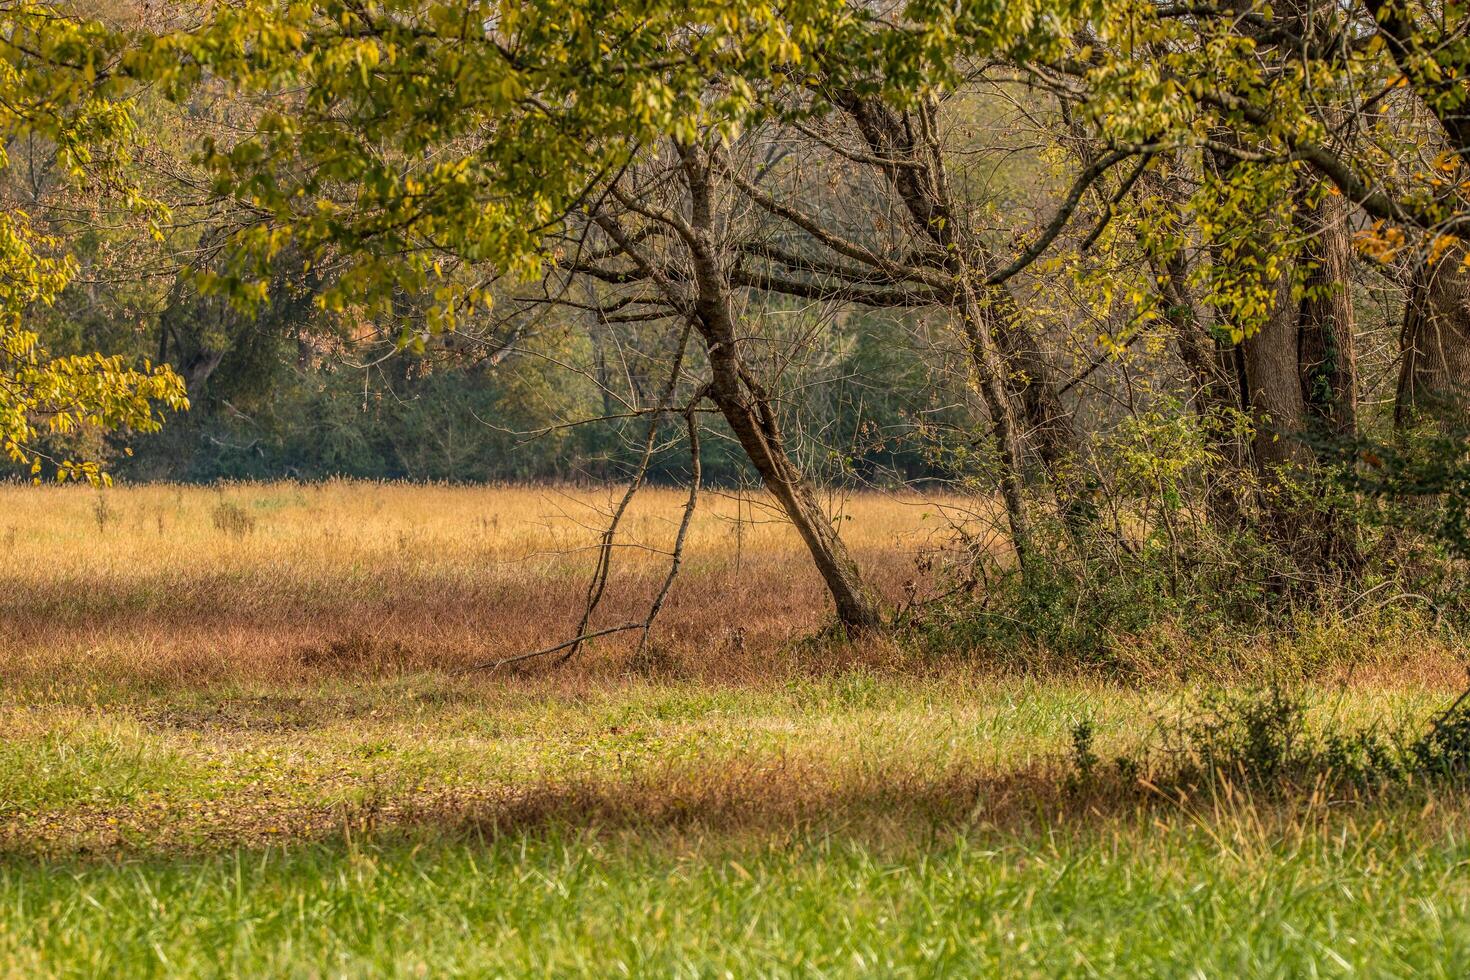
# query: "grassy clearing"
[243,753]
[855,823]
[164,585]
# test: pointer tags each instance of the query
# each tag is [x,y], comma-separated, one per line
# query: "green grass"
[1139,899]
[856,823]
[250,755]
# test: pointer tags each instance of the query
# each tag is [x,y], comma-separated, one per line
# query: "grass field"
[238,741]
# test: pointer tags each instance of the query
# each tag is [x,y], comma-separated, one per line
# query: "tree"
[49,66]
[1220,165]
[433,147]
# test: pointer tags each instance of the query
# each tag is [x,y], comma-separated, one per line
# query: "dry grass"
[233,744]
[269,582]
[163,587]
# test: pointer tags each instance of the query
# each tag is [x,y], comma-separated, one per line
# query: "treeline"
[271,414]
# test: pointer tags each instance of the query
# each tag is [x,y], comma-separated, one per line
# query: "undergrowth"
[1113,601]
[1263,740]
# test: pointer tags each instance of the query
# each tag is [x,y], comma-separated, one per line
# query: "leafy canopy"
[51,88]
[410,140]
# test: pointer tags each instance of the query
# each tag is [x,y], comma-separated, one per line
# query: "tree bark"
[750,417]
[748,410]
[1327,349]
[739,395]
[989,369]
[1328,364]
[1273,393]
[1434,373]
[1216,392]
[1301,386]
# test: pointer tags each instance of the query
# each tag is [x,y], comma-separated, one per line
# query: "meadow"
[244,734]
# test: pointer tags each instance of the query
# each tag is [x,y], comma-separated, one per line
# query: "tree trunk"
[1327,350]
[1032,381]
[750,417]
[748,410]
[990,369]
[1328,364]
[1273,393]
[1216,393]
[1434,374]
[746,406]
[1301,387]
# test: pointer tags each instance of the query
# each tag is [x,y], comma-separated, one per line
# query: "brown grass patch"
[367,579]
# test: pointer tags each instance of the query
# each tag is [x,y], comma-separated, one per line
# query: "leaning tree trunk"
[1434,373]
[750,417]
[748,410]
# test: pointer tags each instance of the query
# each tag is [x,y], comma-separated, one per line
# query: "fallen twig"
[494,665]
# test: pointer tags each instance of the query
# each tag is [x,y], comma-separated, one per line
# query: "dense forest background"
[295,405]
[877,396]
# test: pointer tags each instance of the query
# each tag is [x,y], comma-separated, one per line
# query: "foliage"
[429,133]
[1262,739]
[1421,479]
[1156,560]
[49,72]
[871,410]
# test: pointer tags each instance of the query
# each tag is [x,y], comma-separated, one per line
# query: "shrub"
[232,519]
[1261,739]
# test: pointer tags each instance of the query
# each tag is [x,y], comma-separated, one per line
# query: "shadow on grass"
[766,798]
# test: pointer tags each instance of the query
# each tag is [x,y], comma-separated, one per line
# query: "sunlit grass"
[1139,898]
[252,752]
[144,584]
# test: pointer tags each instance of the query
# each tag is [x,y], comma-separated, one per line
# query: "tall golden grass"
[270,581]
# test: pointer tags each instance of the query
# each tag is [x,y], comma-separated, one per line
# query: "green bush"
[1262,739]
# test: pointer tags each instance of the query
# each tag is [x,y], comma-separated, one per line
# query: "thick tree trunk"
[1327,350]
[1301,387]
[1434,374]
[1273,397]
[1328,363]
[1273,393]
[1300,369]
